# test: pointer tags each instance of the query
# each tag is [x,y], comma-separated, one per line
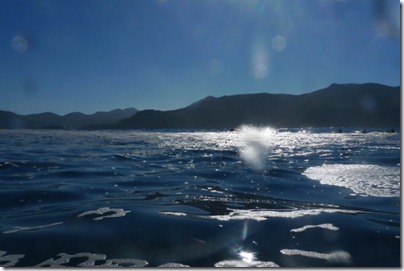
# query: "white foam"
[241,263]
[173,213]
[90,260]
[365,180]
[260,215]
[65,258]
[123,263]
[327,226]
[338,256]
[264,214]
[170,265]
[101,211]
[17,229]
[9,260]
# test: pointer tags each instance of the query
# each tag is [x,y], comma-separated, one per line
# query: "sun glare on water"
[255,144]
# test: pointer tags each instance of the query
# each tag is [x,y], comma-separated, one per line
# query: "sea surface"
[255,196]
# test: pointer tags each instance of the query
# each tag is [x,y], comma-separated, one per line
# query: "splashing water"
[255,143]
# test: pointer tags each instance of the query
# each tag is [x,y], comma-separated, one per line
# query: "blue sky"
[98,55]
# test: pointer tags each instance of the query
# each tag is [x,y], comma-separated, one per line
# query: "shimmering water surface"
[250,197]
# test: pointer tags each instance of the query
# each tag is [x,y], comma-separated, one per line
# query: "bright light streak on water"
[365,180]
[247,256]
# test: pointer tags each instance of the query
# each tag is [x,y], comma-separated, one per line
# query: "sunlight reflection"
[247,259]
[255,143]
[247,256]
[365,180]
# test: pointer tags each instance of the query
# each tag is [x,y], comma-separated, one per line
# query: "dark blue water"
[252,197]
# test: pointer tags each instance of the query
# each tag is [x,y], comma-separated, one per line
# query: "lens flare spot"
[260,63]
[244,231]
[279,43]
[19,44]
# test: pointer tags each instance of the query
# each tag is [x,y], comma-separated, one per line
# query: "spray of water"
[255,143]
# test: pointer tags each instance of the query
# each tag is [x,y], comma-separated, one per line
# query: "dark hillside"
[350,105]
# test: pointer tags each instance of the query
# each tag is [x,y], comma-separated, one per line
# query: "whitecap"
[264,214]
[327,226]
[260,215]
[173,213]
[338,256]
[170,265]
[90,259]
[65,258]
[9,260]
[365,180]
[123,263]
[241,263]
[101,211]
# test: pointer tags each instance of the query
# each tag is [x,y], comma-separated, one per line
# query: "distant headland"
[338,105]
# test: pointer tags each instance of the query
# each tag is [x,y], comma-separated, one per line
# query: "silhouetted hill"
[350,105]
[76,120]
[339,105]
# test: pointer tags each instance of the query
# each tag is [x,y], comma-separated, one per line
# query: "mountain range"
[75,120]
[338,105]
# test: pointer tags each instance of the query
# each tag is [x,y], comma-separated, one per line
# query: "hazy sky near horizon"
[97,55]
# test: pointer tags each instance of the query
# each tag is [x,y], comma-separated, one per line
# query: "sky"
[98,55]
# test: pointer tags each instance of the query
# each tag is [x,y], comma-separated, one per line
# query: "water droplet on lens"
[279,43]
[19,44]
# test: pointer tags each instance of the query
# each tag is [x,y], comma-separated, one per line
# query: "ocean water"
[249,197]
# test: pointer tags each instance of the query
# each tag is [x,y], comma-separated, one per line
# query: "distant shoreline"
[339,105]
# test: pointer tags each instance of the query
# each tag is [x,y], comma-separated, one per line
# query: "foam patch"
[335,256]
[263,214]
[173,265]
[365,180]
[101,211]
[9,260]
[327,226]
[241,263]
[90,261]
